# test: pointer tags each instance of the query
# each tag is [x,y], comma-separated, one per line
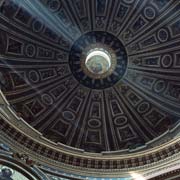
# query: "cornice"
[23,138]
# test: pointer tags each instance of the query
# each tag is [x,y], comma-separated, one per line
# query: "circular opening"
[98,61]
[98,65]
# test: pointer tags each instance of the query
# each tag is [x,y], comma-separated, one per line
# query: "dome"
[98,76]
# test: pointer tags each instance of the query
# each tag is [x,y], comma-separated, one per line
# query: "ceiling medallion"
[98,60]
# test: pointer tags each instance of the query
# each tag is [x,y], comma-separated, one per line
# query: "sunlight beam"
[53,22]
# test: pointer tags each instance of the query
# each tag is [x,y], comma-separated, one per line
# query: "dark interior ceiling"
[42,44]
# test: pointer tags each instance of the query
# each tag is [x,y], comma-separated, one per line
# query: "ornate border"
[23,138]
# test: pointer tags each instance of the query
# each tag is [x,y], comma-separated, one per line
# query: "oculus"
[98,60]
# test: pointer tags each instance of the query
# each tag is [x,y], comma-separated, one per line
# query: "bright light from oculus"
[98,62]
